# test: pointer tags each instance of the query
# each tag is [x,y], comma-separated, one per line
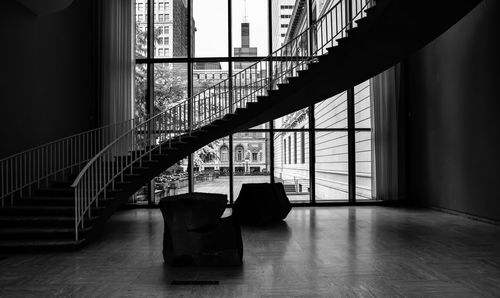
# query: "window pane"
[171,28]
[281,21]
[363,165]
[249,82]
[250,159]
[250,29]
[331,166]
[295,120]
[291,164]
[173,181]
[332,112]
[260,126]
[140,197]
[140,90]
[141,25]
[170,85]
[362,105]
[208,74]
[211,168]
[210,20]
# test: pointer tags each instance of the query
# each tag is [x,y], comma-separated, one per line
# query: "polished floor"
[364,251]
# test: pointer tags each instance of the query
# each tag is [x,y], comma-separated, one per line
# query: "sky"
[211,26]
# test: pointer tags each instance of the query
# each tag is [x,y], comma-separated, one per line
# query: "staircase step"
[43,210]
[240,112]
[221,122]
[32,233]
[352,31]
[283,86]
[343,40]
[52,193]
[62,183]
[362,22]
[40,245]
[262,98]
[293,80]
[371,9]
[253,105]
[54,201]
[63,192]
[40,221]
[302,72]
[273,92]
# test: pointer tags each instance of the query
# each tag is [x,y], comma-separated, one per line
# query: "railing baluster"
[103,155]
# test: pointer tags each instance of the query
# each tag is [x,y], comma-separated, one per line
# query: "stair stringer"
[382,41]
[385,37]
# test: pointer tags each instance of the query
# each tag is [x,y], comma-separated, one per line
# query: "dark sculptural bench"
[261,204]
[195,233]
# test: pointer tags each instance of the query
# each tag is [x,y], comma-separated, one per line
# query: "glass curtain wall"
[185,46]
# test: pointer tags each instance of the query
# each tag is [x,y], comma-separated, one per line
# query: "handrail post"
[311,29]
[76,213]
[348,14]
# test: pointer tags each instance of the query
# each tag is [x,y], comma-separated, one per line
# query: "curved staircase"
[61,204]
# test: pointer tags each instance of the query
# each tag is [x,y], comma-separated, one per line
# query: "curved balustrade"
[35,167]
[104,155]
[127,153]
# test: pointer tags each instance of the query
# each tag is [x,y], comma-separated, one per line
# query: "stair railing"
[22,172]
[158,135]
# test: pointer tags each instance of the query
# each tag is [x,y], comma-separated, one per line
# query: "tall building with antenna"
[245,50]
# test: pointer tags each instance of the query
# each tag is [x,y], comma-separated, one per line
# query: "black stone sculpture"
[195,233]
[261,204]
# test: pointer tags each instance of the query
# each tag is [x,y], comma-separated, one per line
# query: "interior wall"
[454,120]
[47,76]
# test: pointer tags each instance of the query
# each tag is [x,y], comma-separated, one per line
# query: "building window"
[239,153]
[289,149]
[295,147]
[284,151]
[167,17]
[286,16]
[161,18]
[167,40]
[283,34]
[255,156]
[224,153]
[284,25]
[302,147]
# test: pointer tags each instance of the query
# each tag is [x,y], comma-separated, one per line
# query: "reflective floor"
[319,252]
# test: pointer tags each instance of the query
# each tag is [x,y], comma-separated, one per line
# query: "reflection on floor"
[328,251]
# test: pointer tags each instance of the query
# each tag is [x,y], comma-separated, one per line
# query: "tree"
[170,87]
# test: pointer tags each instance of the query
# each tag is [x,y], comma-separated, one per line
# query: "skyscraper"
[245,50]
[281,16]
[171,26]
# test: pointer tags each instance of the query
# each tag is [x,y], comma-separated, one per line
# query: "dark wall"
[47,76]
[454,124]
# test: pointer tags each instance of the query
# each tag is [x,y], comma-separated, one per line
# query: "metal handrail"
[137,145]
[22,171]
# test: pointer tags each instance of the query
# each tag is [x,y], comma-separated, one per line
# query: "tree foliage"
[170,87]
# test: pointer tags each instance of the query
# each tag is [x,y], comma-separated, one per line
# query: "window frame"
[190,60]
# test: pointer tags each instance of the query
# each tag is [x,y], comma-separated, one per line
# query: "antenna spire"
[245,18]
